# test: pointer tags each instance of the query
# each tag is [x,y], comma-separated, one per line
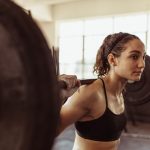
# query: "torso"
[85,144]
[97,110]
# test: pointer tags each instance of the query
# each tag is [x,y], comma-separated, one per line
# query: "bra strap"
[104,91]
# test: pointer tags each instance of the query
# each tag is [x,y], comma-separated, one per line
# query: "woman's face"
[131,62]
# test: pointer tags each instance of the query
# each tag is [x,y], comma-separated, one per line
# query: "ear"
[112,59]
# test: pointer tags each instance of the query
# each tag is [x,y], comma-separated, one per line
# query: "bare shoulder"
[81,104]
[92,88]
[84,97]
[90,93]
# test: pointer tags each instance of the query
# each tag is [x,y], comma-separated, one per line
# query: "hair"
[115,44]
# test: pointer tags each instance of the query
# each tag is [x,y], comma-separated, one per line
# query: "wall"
[90,8]
[48,29]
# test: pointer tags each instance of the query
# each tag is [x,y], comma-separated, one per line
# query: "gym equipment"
[63,85]
[29,102]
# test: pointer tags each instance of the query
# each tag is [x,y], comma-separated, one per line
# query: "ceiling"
[40,9]
[48,2]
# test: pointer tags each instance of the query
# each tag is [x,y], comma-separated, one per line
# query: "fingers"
[72,84]
[65,94]
[70,80]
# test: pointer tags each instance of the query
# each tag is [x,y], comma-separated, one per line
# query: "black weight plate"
[29,106]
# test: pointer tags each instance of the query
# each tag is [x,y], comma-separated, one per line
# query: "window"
[79,40]
[71,47]
[135,24]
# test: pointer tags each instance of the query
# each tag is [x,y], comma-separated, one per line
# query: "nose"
[141,63]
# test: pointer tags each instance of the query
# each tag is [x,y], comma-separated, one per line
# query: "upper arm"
[74,109]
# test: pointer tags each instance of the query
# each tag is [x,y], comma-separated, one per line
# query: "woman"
[98,109]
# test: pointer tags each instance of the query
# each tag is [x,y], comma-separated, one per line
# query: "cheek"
[124,68]
[127,65]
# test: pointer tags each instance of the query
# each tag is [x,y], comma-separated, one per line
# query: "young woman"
[98,109]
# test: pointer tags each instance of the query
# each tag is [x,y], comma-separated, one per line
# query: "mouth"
[138,73]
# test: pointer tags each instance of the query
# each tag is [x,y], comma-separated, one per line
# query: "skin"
[72,84]
[89,103]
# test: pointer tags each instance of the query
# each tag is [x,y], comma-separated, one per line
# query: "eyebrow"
[136,51]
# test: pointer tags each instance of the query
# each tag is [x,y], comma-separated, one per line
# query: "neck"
[115,84]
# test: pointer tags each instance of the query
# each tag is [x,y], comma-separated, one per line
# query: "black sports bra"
[107,127]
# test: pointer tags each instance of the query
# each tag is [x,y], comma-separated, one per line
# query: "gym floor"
[137,137]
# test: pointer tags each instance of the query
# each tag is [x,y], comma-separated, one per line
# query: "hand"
[72,85]
[70,80]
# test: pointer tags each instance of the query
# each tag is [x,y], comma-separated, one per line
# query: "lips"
[138,72]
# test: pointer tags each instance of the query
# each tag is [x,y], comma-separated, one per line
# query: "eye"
[135,57]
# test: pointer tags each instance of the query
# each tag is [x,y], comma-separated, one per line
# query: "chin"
[137,79]
[134,79]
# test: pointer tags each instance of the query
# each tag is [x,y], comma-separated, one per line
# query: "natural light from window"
[79,40]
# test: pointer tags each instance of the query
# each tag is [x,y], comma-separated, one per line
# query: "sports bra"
[107,127]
